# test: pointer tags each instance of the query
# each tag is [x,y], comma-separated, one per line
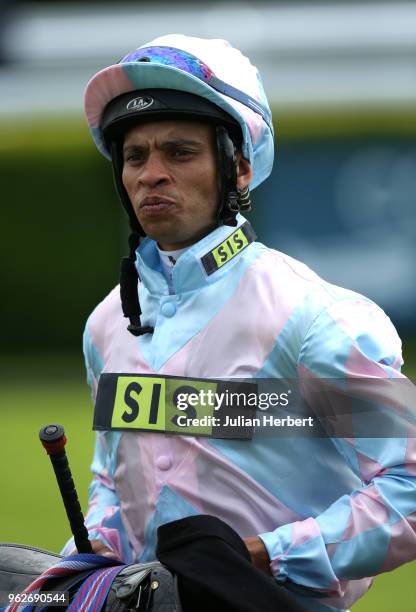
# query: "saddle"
[141,587]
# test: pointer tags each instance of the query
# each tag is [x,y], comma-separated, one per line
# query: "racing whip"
[53,440]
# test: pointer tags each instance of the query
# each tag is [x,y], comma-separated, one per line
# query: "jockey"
[187,127]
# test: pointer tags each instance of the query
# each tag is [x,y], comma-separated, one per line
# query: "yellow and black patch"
[173,404]
[228,248]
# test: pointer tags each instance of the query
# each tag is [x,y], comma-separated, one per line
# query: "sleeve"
[103,519]
[373,529]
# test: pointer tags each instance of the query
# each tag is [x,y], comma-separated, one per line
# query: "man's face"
[170,176]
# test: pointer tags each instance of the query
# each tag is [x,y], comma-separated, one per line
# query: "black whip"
[53,440]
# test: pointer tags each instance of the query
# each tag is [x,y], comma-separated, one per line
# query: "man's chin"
[169,238]
[167,241]
[159,225]
[171,242]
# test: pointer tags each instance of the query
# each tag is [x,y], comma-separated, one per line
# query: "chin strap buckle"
[139,330]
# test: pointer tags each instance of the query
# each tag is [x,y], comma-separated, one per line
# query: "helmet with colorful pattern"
[209,68]
[172,76]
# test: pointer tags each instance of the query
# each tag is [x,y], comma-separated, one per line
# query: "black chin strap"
[232,199]
[228,205]
[129,291]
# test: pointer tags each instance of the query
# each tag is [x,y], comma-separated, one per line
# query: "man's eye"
[182,152]
[134,157]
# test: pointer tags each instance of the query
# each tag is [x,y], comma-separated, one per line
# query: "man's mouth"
[155,204]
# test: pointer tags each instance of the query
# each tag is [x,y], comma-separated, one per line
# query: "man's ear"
[244,172]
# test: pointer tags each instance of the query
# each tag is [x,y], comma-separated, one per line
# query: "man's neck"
[168,260]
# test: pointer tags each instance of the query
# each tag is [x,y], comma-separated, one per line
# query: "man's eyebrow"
[180,142]
[172,142]
[134,147]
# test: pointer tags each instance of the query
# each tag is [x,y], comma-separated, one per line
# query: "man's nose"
[153,171]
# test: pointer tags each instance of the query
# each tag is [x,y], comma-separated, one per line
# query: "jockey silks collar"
[226,250]
[209,255]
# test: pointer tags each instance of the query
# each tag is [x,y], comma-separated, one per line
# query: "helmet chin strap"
[129,277]
[232,199]
[129,293]
[227,171]
[231,202]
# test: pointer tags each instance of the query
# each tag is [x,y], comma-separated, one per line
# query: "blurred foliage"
[63,228]
[62,237]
